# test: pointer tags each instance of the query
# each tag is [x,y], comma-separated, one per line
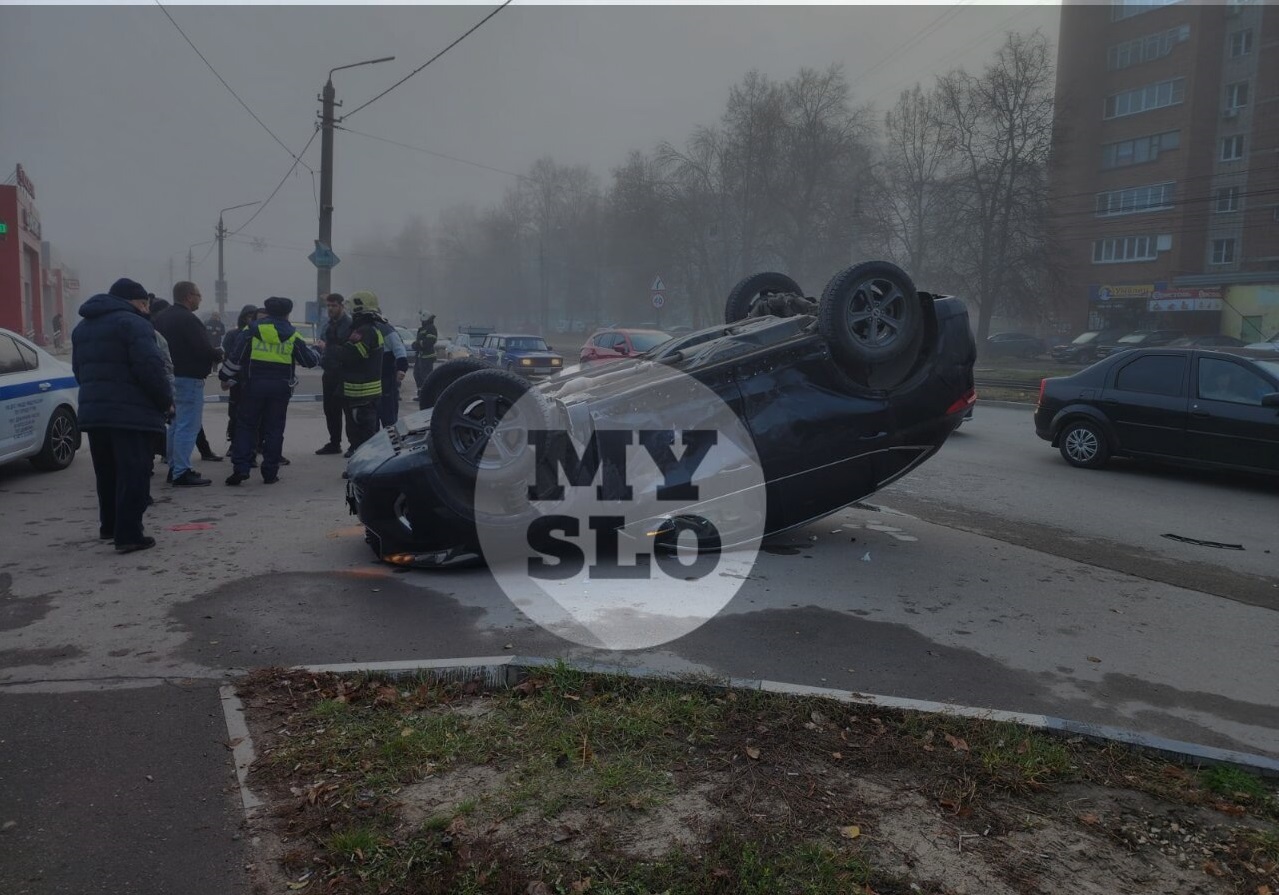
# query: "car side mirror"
[1270,400]
[622,349]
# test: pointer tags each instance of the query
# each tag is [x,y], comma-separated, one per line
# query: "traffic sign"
[323,256]
[658,285]
[658,300]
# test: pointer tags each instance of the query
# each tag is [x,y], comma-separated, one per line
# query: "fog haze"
[133,145]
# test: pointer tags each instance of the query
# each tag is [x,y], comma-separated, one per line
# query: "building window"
[1241,43]
[1223,251]
[1138,151]
[1232,148]
[1250,329]
[1144,99]
[1227,199]
[1124,248]
[1135,200]
[1145,49]
[1237,95]
[1126,9]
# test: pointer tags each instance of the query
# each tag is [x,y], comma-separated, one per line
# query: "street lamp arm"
[234,207]
[358,64]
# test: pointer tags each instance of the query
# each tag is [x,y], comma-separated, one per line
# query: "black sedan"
[1203,407]
[840,396]
[1014,345]
[1087,347]
[1142,338]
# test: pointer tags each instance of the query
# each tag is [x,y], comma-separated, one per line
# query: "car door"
[1146,401]
[1227,423]
[23,403]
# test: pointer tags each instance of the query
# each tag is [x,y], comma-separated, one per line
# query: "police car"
[38,402]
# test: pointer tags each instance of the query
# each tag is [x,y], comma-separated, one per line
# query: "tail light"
[1043,383]
[968,400]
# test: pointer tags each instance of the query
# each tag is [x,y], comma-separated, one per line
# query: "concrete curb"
[242,751]
[1012,405]
[507,671]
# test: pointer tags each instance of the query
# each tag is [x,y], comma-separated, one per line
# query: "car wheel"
[870,313]
[61,439]
[467,415]
[743,298]
[1083,444]
[445,375]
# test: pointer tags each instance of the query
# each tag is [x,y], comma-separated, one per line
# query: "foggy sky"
[133,145]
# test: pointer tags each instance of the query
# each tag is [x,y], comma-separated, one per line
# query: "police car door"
[22,403]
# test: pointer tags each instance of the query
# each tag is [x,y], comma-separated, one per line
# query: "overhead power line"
[286,176]
[226,85]
[469,32]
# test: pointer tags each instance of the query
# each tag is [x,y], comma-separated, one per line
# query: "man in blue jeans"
[193,360]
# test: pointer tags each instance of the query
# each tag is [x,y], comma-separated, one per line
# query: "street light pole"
[328,102]
[219,287]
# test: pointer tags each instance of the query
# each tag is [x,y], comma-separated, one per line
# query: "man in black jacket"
[193,360]
[334,337]
[124,396]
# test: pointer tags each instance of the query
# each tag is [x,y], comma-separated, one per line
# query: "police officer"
[265,360]
[362,369]
[395,366]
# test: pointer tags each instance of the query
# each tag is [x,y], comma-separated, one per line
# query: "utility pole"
[328,102]
[220,233]
[170,273]
[190,264]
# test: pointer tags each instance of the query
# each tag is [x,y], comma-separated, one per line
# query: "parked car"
[1084,349]
[1207,407]
[409,338]
[611,344]
[838,403]
[465,344]
[39,400]
[1142,338]
[1014,345]
[1207,340]
[1271,344]
[525,354]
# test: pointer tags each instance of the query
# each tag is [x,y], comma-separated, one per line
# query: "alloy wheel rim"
[63,440]
[1082,444]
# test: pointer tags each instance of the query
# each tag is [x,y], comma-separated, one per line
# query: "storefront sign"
[25,182]
[1185,304]
[1121,291]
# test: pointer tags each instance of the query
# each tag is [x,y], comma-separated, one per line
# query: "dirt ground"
[574,783]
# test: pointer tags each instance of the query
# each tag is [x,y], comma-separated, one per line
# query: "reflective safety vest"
[366,380]
[267,347]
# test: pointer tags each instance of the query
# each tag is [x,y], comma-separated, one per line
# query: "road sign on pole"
[658,300]
[323,256]
[658,285]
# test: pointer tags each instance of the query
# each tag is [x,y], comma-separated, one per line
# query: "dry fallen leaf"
[817,718]
[581,885]
[406,732]
[1227,808]
[537,887]
[838,756]
[1091,819]
[1093,659]
[752,752]
[957,743]
[850,832]
[1213,868]
[1024,746]
[1263,890]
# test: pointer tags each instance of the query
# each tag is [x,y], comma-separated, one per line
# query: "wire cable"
[472,30]
[286,176]
[224,83]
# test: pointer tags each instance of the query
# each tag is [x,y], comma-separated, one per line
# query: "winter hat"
[364,303]
[128,290]
[278,307]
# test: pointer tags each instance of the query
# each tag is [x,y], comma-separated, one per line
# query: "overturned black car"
[840,396]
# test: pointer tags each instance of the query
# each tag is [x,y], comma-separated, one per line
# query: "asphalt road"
[1011,581]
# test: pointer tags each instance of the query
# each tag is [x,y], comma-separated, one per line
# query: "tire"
[870,313]
[743,296]
[445,375]
[466,415]
[61,440]
[1084,445]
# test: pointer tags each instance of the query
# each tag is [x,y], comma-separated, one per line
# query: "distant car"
[1207,340]
[612,344]
[39,401]
[1205,407]
[1142,338]
[1014,345]
[465,344]
[524,354]
[1085,347]
[1271,344]
[409,338]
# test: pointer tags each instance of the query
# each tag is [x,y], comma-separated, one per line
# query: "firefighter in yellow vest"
[362,369]
[264,361]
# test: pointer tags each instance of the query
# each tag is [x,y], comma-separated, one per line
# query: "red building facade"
[31,294]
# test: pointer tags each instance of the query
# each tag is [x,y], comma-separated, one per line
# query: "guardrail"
[1019,384]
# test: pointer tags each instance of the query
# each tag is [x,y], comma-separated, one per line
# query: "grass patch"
[1232,783]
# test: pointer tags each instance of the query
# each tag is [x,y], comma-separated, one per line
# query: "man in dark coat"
[193,360]
[124,397]
[335,334]
[427,336]
[265,359]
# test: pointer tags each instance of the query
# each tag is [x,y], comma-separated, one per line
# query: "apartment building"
[1165,174]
